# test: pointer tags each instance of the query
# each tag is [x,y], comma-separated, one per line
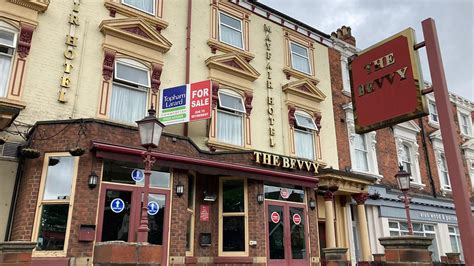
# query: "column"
[329,211]
[360,198]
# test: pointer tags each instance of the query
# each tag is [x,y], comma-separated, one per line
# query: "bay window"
[230,30]
[8,39]
[304,135]
[230,114]
[129,91]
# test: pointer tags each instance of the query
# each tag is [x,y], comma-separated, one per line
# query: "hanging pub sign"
[386,83]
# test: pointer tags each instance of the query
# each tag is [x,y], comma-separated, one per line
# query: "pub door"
[287,239]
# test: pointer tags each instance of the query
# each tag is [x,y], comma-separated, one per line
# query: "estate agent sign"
[386,83]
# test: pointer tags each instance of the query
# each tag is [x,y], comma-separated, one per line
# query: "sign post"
[451,147]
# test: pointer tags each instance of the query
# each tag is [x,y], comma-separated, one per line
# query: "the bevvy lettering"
[285,162]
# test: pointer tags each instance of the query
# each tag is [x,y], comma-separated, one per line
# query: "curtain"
[145,5]
[231,36]
[304,144]
[132,74]
[229,128]
[5,62]
[300,63]
[128,105]
[360,153]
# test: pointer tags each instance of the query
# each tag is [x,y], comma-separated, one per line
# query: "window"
[53,213]
[455,239]
[233,222]
[190,213]
[230,30]
[407,150]
[361,153]
[147,6]
[443,169]
[230,127]
[129,91]
[397,228]
[8,38]
[406,158]
[465,124]
[433,112]
[304,135]
[471,172]
[299,58]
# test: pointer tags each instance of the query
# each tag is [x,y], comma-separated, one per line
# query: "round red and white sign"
[275,217]
[284,193]
[296,219]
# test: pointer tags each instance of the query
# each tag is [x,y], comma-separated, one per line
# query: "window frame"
[465,114]
[443,172]
[305,130]
[433,110]
[231,111]
[307,57]
[6,27]
[41,203]
[141,10]
[134,64]
[219,23]
[457,236]
[364,151]
[192,213]
[244,214]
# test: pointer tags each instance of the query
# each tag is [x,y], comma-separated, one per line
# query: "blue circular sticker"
[153,207]
[137,175]
[117,205]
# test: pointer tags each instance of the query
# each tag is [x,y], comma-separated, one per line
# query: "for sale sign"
[386,83]
[185,103]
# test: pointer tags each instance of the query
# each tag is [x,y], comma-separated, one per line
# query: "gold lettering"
[369,87]
[69,54]
[62,96]
[292,163]
[389,59]
[300,164]
[276,160]
[367,68]
[308,165]
[269,55]
[272,131]
[267,158]
[267,28]
[67,68]
[269,84]
[315,166]
[71,40]
[378,64]
[361,90]
[268,45]
[76,7]
[402,72]
[286,162]
[270,110]
[65,82]
[270,100]
[272,141]
[257,156]
[73,19]
[272,120]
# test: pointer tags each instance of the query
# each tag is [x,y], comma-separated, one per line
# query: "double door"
[287,239]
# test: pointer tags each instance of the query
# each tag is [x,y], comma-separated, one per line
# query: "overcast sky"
[374,20]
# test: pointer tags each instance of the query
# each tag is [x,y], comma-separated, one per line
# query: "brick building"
[418,146]
[83,72]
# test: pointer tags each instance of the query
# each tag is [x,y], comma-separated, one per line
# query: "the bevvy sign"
[285,162]
[386,83]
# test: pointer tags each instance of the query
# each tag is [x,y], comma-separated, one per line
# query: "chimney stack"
[344,33]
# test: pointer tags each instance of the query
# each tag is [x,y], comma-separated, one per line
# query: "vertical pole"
[329,211]
[451,146]
[407,210]
[142,234]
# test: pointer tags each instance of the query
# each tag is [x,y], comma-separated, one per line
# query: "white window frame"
[231,111]
[346,80]
[364,152]
[457,236]
[433,109]
[133,64]
[137,8]
[5,27]
[465,113]
[442,170]
[307,57]
[305,130]
[241,29]
[406,134]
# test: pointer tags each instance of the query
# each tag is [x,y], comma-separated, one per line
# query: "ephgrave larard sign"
[386,83]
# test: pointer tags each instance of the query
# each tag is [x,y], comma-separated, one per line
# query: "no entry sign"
[296,219]
[275,217]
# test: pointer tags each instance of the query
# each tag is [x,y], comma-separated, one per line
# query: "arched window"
[230,114]
[304,135]
[129,91]
[8,40]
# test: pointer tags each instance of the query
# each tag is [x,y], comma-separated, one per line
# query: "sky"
[374,20]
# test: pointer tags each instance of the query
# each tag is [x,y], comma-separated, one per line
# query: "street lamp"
[150,129]
[403,178]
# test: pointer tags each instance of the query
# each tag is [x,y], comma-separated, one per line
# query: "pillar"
[360,198]
[329,211]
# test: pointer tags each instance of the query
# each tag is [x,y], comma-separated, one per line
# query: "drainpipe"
[188,53]
[427,161]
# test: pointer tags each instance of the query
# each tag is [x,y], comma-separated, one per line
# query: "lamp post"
[150,129]
[403,178]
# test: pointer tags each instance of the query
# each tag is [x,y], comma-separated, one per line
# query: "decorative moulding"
[135,30]
[37,5]
[24,42]
[215,45]
[155,77]
[108,65]
[234,64]
[289,72]
[114,7]
[304,88]
[215,145]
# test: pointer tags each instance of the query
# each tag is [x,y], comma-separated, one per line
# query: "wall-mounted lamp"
[260,198]
[312,204]
[209,196]
[92,181]
[179,189]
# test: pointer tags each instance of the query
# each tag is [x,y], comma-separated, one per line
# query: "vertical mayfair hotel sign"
[386,83]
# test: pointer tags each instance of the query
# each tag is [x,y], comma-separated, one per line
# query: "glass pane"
[273,192]
[454,244]
[276,232]
[190,191]
[233,196]
[304,144]
[132,74]
[304,121]
[298,243]
[230,21]
[417,227]
[394,233]
[7,38]
[451,229]
[429,227]
[393,225]
[155,222]
[52,231]
[127,104]
[120,172]
[144,5]
[403,226]
[297,49]
[229,128]
[231,102]
[59,178]
[115,226]
[300,63]
[5,63]
[233,233]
